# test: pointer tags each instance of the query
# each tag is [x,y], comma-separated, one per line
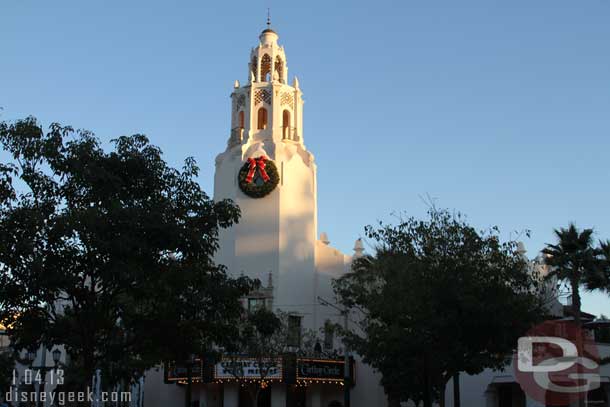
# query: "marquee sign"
[177,372]
[248,368]
[289,369]
[320,369]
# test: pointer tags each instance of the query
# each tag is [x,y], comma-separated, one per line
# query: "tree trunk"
[576,305]
[189,384]
[88,367]
[456,390]
[88,370]
[254,394]
[427,387]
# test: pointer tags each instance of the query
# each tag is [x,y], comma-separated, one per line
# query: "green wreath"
[258,177]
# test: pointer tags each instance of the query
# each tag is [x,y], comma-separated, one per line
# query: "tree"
[438,298]
[599,278]
[262,337]
[573,259]
[7,365]
[109,253]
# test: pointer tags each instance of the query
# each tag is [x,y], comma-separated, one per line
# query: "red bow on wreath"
[257,163]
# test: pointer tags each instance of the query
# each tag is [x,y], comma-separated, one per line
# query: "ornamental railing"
[290,133]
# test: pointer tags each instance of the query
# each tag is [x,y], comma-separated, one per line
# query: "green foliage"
[437,298]
[262,336]
[109,252]
[7,364]
[259,189]
[313,341]
[599,277]
[573,259]
[264,323]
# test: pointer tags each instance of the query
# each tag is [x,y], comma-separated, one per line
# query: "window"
[262,118]
[279,68]
[266,68]
[597,397]
[286,124]
[294,331]
[510,395]
[256,304]
[241,119]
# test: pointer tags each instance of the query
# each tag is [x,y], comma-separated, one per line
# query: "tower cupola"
[267,107]
[268,60]
[268,37]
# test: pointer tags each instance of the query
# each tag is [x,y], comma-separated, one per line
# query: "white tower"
[276,232]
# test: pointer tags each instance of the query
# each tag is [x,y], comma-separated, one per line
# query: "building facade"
[268,171]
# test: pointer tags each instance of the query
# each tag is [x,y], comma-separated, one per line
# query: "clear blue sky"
[499,109]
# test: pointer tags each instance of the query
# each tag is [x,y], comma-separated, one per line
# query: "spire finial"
[270,280]
[268,17]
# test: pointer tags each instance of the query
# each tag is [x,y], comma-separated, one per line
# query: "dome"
[268,37]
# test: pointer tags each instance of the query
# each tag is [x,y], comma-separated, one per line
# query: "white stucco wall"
[157,393]
[477,390]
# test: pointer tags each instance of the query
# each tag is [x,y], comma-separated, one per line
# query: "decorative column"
[230,394]
[491,397]
[314,395]
[278,395]
[202,395]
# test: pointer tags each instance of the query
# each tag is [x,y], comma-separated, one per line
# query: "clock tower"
[269,173]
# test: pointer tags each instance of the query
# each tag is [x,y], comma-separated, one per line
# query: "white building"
[276,238]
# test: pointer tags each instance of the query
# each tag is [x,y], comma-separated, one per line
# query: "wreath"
[258,177]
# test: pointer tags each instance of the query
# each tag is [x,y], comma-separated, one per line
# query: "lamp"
[30,356]
[56,356]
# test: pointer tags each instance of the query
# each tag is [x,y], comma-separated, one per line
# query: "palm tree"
[600,280]
[573,259]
